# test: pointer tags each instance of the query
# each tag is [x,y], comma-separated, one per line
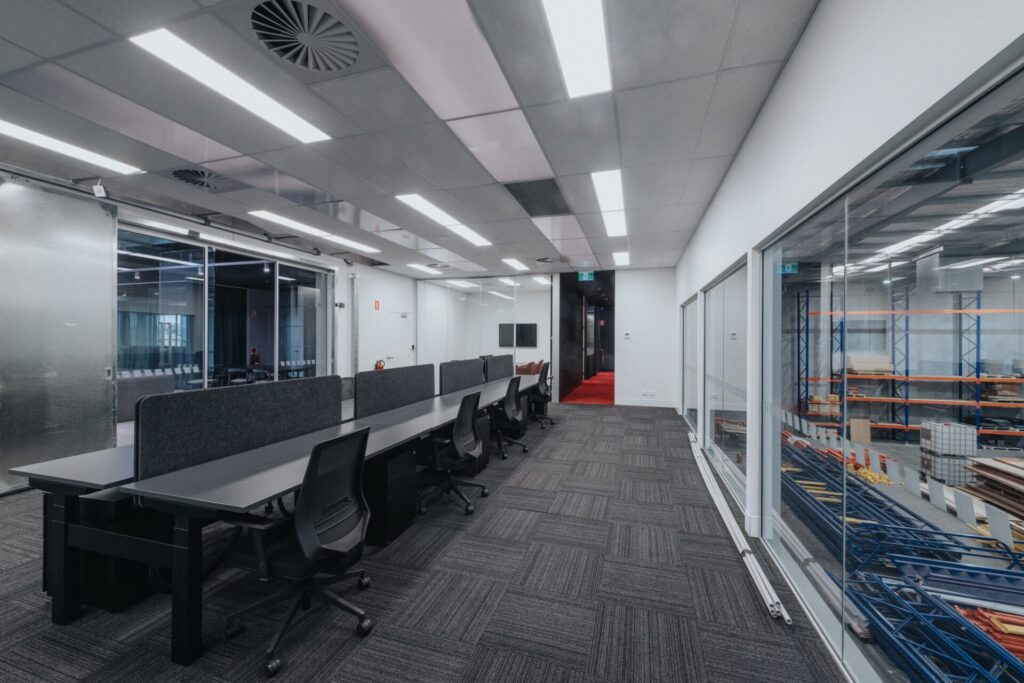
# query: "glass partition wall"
[191,316]
[893,367]
[691,383]
[484,317]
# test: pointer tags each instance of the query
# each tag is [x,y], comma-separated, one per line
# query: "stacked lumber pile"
[1000,481]
[1004,628]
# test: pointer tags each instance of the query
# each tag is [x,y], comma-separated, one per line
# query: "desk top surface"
[96,470]
[246,480]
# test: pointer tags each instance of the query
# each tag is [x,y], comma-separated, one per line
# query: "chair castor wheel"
[504,456]
[272,666]
[525,449]
[364,627]
[232,628]
[364,582]
[485,492]
[469,509]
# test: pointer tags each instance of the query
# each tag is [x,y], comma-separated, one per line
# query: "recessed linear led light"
[66,148]
[621,258]
[190,61]
[976,262]
[608,188]
[508,281]
[541,280]
[503,296]
[514,263]
[441,217]
[615,223]
[315,232]
[1015,277]
[424,269]
[577,29]
[465,284]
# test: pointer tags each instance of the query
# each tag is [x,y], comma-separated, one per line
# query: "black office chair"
[455,455]
[317,545]
[540,397]
[509,419]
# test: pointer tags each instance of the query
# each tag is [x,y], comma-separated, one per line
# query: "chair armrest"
[253,522]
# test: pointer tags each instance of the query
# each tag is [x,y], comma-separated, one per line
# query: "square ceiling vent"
[540,197]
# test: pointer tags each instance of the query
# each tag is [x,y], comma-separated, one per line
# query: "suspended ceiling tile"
[310,166]
[735,103]
[488,202]
[592,225]
[578,135]
[176,190]
[519,36]
[659,241]
[435,153]
[504,144]
[663,219]
[262,176]
[376,100]
[572,247]
[578,191]
[46,27]
[655,185]
[609,245]
[440,51]
[766,31]
[394,211]
[560,228]
[468,267]
[439,255]
[70,92]
[13,57]
[129,71]
[129,17]
[371,159]
[40,117]
[704,178]
[257,199]
[662,123]
[654,41]
[508,232]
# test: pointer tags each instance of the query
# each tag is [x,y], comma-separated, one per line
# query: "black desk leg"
[187,591]
[64,563]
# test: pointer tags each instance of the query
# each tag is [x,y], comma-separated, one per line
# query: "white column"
[754,310]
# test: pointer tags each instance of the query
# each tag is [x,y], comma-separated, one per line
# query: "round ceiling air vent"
[304,35]
[206,180]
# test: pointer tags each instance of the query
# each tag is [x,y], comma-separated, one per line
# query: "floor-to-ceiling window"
[302,322]
[893,369]
[691,382]
[725,375]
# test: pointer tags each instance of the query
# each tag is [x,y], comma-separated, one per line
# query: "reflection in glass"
[159,317]
[302,325]
[725,371]
[690,383]
[242,319]
[894,411]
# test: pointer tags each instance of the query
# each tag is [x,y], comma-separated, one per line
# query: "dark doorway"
[587,338]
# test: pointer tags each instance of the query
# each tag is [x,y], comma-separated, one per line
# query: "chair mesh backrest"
[510,406]
[331,503]
[542,382]
[464,434]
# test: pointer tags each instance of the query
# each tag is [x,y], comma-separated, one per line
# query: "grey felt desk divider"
[380,390]
[496,367]
[461,374]
[174,431]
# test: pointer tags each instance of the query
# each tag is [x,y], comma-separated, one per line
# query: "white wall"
[647,360]
[862,72]
[390,333]
[440,325]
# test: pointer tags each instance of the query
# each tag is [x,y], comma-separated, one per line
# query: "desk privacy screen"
[496,367]
[380,390]
[461,374]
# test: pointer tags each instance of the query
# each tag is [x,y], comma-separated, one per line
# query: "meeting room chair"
[540,397]
[455,455]
[509,419]
[316,545]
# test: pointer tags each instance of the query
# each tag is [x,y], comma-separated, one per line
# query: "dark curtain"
[138,340]
[229,327]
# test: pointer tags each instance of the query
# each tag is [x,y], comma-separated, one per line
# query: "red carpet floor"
[598,390]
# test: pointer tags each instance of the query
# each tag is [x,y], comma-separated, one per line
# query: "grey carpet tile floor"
[598,557]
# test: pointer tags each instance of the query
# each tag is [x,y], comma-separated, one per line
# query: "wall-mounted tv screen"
[524,335]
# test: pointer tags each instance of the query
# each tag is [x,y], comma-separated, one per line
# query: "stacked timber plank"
[1000,481]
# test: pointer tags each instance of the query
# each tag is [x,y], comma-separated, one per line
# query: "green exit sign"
[789,268]
[585,276]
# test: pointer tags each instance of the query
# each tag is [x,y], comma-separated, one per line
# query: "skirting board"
[645,402]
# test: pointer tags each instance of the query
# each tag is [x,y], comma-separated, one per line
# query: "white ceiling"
[409,117]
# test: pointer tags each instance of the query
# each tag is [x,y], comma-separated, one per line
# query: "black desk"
[199,495]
